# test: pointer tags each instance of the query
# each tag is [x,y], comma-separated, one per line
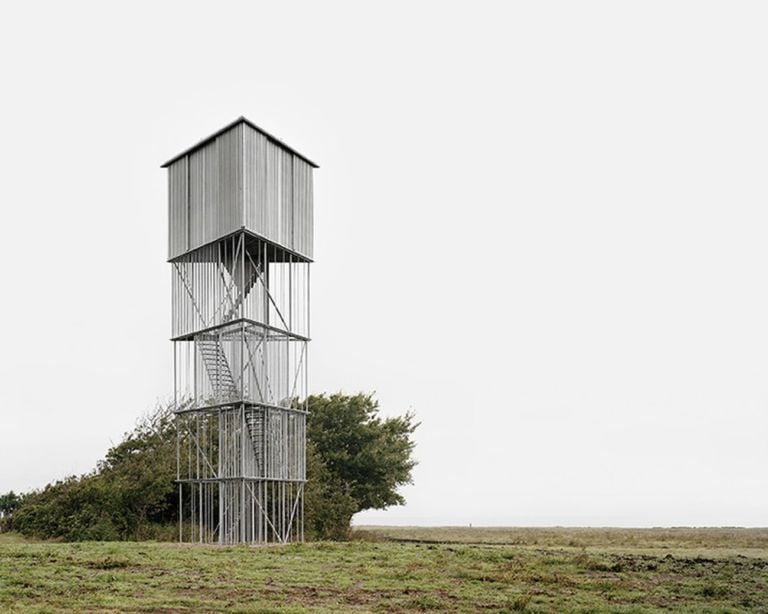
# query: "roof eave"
[229,126]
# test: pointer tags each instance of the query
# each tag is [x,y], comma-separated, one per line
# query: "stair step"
[217,367]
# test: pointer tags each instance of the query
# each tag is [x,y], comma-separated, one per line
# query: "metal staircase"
[219,374]
[223,384]
[254,420]
[210,347]
[225,389]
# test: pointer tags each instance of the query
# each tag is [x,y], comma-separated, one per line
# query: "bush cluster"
[355,461]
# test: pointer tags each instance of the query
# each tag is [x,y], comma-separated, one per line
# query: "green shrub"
[355,461]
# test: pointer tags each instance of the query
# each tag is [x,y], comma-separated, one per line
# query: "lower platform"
[241,473]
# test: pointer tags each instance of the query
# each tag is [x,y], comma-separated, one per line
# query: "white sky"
[539,225]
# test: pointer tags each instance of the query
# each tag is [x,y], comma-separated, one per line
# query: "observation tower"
[240,248]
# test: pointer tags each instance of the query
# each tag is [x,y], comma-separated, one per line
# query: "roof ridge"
[239,120]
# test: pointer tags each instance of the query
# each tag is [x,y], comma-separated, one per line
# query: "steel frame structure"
[240,318]
[240,328]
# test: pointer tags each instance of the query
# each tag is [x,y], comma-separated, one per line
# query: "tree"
[8,503]
[129,496]
[140,472]
[356,460]
[328,506]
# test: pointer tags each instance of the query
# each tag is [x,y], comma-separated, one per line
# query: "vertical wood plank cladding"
[211,212]
[310,213]
[241,177]
[214,192]
[255,170]
[197,198]
[272,204]
[302,207]
[277,193]
[296,205]
[230,167]
[248,179]
[178,226]
[286,197]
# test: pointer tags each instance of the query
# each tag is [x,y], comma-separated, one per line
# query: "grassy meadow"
[388,569]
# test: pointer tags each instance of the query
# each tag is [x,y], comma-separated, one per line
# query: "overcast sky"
[541,226]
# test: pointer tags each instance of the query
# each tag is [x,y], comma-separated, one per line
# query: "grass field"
[401,569]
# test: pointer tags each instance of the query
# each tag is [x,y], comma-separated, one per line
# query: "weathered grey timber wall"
[241,177]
